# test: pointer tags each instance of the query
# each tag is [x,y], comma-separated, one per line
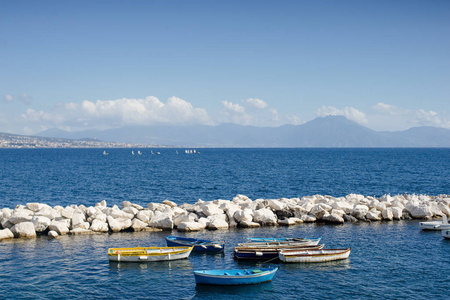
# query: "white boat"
[145,254]
[311,256]
[105,153]
[132,152]
[281,244]
[436,225]
[446,233]
[139,152]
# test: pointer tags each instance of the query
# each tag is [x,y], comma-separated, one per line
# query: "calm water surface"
[389,260]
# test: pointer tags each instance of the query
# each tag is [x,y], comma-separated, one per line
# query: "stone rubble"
[32,219]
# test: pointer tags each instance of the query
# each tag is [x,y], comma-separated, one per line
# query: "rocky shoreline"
[33,219]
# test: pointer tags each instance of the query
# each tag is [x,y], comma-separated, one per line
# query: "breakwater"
[32,219]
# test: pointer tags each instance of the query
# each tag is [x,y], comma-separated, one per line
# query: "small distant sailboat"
[105,153]
[151,152]
[139,152]
[132,152]
[176,151]
[158,152]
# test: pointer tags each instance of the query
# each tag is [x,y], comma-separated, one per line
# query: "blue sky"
[79,65]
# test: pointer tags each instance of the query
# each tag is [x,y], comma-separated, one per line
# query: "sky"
[78,65]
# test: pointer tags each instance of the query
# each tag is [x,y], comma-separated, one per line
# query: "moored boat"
[199,244]
[145,254]
[234,276]
[265,240]
[241,253]
[446,234]
[309,256]
[281,244]
[436,225]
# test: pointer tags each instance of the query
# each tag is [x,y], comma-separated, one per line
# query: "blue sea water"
[389,260]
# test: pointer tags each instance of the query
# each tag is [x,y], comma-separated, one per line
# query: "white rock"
[334,218]
[397,213]
[170,203]
[420,211]
[117,214]
[24,230]
[101,204]
[374,215]
[59,226]
[265,216]
[387,214]
[138,225]
[216,222]
[53,234]
[130,210]
[67,212]
[190,226]
[308,218]
[48,212]
[360,211]
[118,224]
[286,222]
[243,215]
[78,217]
[144,216]
[343,205]
[20,215]
[91,211]
[230,209]
[277,205]
[162,221]
[99,226]
[183,218]
[6,234]
[35,206]
[40,223]
[210,209]
[444,208]
[247,224]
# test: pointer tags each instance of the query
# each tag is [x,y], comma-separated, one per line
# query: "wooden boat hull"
[234,277]
[265,240]
[282,244]
[313,256]
[148,254]
[199,245]
[446,234]
[264,254]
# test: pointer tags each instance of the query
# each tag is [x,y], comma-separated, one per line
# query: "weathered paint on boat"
[199,244]
[265,240]
[311,256]
[446,234]
[281,244]
[235,276]
[145,254]
[267,253]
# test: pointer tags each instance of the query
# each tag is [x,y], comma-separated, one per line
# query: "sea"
[389,260]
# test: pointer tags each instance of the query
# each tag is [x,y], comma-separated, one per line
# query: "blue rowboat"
[267,240]
[199,245]
[235,276]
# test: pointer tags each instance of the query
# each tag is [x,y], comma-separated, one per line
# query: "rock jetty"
[32,219]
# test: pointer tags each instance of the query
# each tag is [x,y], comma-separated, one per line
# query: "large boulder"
[60,227]
[265,217]
[99,226]
[360,211]
[118,224]
[420,211]
[387,214]
[6,234]
[24,230]
[162,221]
[397,213]
[243,215]
[216,222]
[21,215]
[210,209]
[191,226]
[40,223]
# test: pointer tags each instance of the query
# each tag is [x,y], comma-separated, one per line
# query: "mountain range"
[330,131]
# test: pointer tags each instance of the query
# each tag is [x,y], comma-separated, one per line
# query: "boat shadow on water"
[183,264]
[203,291]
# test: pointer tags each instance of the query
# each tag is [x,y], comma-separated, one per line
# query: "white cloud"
[348,112]
[256,103]
[390,117]
[120,112]
[232,108]
[9,98]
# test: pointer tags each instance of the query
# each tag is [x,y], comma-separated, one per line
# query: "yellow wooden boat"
[145,254]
